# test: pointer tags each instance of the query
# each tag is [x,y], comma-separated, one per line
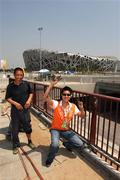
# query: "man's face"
[66,96]
[19,75]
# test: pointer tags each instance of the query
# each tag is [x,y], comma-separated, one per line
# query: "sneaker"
[48,163]
[67,147]
[18,144]
[84,146]
[15,151]
[31,145]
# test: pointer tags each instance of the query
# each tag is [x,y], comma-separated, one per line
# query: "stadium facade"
[61,61]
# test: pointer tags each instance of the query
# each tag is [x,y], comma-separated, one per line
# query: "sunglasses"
[66,94]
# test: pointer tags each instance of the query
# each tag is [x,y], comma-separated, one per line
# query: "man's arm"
[30,97]
[8,97]
[29,100]
[16,104]
[46,96]
[47,92]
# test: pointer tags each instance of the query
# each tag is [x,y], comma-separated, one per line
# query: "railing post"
[93,122]
[45,103]
[34,96]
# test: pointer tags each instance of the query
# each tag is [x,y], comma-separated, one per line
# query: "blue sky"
[88,27]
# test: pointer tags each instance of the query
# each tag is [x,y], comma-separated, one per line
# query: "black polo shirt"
[19,93]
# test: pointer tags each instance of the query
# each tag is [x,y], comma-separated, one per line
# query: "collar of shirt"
[67,108]
[18,84]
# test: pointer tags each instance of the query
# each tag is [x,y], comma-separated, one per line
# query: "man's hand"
[18,106]
[55,80]
[80,105]
[81,108]
[27,104]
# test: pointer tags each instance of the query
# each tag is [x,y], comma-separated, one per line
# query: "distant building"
[62,61]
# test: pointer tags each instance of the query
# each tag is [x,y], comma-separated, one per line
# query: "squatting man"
[63,112]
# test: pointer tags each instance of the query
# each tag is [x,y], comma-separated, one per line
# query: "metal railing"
[101,126]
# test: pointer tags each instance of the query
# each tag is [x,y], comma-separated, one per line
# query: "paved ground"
[66,166]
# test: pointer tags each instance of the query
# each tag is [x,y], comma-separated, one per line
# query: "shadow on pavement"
[45,149]
[3,130]
[5,144]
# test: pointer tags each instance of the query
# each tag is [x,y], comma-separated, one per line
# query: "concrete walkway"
[66,166]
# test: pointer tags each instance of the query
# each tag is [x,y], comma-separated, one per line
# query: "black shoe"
[67,147]
[48,163]
[18,144]
[31,145]
[84,146]
[15,150]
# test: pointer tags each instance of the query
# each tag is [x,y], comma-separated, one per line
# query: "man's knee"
[54,144]
[78,142]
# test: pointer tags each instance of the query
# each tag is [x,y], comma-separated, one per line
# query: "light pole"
[40,29]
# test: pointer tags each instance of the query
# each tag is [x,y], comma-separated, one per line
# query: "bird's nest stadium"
[61,61]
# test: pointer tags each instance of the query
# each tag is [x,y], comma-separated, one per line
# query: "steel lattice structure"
[66,61]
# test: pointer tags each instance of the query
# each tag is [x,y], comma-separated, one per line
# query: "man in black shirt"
[19,94]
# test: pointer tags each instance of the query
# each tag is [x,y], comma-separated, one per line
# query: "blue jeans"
[73,141]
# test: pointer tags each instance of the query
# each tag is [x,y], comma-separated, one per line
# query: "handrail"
[101,126]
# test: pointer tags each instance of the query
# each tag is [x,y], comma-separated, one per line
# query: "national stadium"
[63,61]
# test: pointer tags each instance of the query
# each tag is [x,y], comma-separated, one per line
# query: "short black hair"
[66,88]
[18,69]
